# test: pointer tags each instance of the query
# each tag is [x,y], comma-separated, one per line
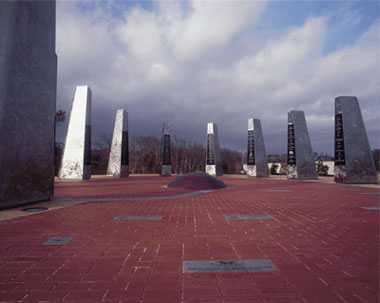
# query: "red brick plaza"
[323,244]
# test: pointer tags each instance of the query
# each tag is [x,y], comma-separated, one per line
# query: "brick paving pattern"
[324,245]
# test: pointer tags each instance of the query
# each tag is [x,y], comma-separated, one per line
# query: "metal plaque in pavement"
[228,266]
[137,218]
[58,240]
[248,217]
[371,208]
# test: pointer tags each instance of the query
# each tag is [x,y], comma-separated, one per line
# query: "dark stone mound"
[198,181]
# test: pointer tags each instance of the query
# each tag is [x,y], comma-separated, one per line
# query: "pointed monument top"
[165,128]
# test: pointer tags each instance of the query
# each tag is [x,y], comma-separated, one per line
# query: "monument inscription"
[166,157]
[87,146]
[210,150]
[291,145]
[251,148]
[339,140]
[124,149]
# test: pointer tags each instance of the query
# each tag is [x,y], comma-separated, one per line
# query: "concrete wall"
[28,80]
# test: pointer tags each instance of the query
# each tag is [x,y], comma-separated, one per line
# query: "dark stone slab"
[353,158]
[28,77]
[56,241]
[291,145]
[257,161]
[251,148]
[87,146]
[166,156]
[137,218]
[125,149]
[258,265]
[248,217]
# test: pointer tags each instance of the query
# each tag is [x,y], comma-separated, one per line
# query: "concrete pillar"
[353,157]
[118,163]
[28,81]
[166,167]
[213,157]
[257,161]
[76,160]
[301,161]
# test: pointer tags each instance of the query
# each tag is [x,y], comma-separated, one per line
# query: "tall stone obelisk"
[301,161]
[166,167]
[118,163]
[213,157]
[353,158]
[76,160]
[257,161]
[28,81]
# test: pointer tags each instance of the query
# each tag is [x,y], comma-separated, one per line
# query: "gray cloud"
[200,64]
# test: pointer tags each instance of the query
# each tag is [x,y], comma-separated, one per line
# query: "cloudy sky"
[193,62]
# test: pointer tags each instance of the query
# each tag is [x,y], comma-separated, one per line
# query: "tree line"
[145,156]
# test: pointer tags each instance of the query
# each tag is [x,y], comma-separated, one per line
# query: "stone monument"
[213,158]
[118,163]
[301,161]
[166,167]
[76,160]
[353,158]
[28,81]
[257,161]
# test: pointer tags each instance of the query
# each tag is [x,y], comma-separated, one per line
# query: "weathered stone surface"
[76,160]
[28,77]
[118,163]
[301,161]
[166,162]
[353,158]
[213,157]
[257,161]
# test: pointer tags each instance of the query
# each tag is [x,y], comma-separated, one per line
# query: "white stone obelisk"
[257,161]
[166,167]
[353,158]
[118,164]
[28,81]
[213,157]
[301,160]
[76,160]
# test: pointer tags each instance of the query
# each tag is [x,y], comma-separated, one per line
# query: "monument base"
[122,174]
[291,171]
[212,170]
[166,170]
[340,176]
[251,170]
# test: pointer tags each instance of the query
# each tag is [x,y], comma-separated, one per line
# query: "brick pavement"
[324,245]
